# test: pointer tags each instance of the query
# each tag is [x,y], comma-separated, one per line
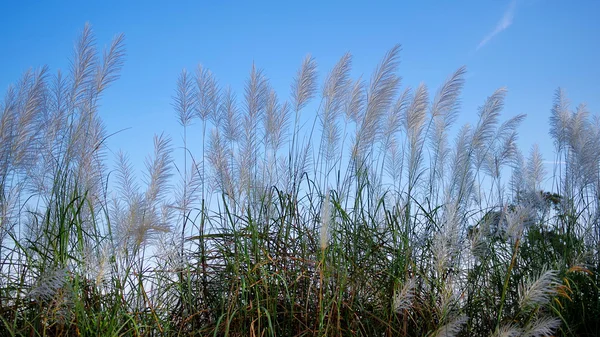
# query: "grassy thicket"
[367,220]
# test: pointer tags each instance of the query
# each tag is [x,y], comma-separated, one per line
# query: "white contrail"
[504,23]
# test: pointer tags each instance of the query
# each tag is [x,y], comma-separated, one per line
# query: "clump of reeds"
[344,210]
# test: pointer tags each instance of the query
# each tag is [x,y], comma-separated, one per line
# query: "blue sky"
[529,46]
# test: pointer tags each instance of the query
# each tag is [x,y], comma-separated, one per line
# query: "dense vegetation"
[381,227]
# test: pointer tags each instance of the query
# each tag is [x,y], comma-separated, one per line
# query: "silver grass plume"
[578,127]
[112,62]
[517,180]
[383,87]
[354,112]
[91,165]
[461,177]
[593,156]
[501,149]
[100,266]
[481,236]
[337,84]
[447,244]
[516,220]
[54,290]
[126,184]
[283,178]
[541,327]
[231,124]
[270,120]
[7,124]
[452,328]
[355,102]
[83,67]
[186,193]
[158,171]
[144,215]
[231,129]
[393,120]
[49,284]
[394,164]
[10,202]
[444,110]
[305,159]
[283,121]
[21,122]
[184,99]
[256,96]
[184,103]
[446,101]
[334,92]
[560,119]
[304,85]
[208,95]
[389,138]
[391,126]
[325,222]
[218,155]
[413,120]
[538,292]
[126,219]
[488,118]
[80,143]
[584,146]
[414,126]
[56,127]
[535,171]
[507,330]
[277,119]
[404,296]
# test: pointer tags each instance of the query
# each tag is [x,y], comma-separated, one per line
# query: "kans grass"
[367,220]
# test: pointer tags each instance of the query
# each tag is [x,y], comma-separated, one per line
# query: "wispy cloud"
[504,23]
